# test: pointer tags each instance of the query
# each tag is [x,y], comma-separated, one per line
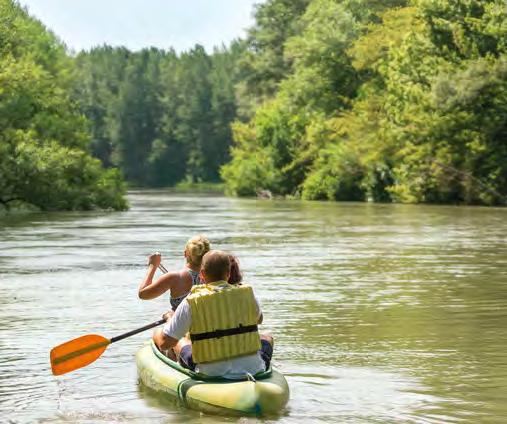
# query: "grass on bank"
[203,187]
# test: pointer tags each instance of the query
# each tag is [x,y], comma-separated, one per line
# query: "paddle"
[84,350]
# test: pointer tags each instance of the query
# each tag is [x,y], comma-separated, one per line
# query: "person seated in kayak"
[180,282]
[235,274]
[221,320]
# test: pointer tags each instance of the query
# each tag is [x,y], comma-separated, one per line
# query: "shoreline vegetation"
[348,100]
[185,187]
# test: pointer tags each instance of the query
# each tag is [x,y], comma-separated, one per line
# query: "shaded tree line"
[389,101]
[160,117]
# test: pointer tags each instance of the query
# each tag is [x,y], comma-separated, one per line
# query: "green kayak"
[264,393]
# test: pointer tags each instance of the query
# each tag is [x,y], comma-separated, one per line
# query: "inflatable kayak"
[263,393]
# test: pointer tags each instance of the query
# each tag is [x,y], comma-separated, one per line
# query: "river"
[381,313]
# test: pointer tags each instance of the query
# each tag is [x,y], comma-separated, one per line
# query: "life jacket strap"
[222,333]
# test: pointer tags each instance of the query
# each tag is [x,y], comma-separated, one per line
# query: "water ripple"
[381,313]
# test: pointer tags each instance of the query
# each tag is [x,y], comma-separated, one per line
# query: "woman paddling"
[179,282]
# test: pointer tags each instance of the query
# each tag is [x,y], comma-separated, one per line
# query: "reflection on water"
[382,313]
[354,393]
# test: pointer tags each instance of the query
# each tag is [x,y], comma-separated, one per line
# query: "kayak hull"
[268,394]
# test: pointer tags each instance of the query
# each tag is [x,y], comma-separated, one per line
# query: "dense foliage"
[392,100]
[386,101]
[43,136]
[160,117]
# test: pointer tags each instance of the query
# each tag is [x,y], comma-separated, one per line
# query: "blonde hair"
[195,249]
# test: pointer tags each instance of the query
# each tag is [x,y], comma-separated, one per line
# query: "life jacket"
[224,321]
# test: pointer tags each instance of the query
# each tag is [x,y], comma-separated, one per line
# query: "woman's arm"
[149,289]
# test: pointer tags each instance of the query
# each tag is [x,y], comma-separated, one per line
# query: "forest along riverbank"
[381,312]
[383,101]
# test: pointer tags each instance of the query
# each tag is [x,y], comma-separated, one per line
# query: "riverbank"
[185,187]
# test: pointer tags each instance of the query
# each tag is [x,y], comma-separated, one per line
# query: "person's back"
[222,321]
[185,279]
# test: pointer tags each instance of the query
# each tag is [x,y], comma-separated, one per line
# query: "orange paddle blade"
[77,353]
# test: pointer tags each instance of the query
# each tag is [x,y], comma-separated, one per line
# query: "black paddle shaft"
[139,330]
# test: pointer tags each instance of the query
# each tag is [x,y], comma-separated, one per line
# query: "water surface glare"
[381,313]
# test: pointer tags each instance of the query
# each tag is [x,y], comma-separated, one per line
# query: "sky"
[82,24]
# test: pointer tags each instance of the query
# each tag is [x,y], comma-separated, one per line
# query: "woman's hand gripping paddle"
[84,350]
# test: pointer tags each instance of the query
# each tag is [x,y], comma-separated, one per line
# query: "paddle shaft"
[139,330]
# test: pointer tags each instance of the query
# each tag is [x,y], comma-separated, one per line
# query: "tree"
[43,137]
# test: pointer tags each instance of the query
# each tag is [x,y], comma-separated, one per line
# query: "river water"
[381,313]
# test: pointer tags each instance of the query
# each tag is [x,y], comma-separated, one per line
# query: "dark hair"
[235,276]
[215,265]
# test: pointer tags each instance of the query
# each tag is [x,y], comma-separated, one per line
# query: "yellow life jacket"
[224,321]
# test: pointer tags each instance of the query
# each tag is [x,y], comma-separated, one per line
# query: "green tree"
[264,64]
[321,83]
[137,114]
[100,73]
[43,136]
[385,102]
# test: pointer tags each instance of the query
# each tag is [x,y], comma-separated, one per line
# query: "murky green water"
[382,313]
